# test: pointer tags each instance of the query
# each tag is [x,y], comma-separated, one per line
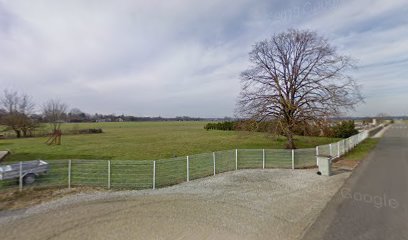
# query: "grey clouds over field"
[184,57]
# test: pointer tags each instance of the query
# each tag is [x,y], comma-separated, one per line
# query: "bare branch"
[296,76]
[55,112]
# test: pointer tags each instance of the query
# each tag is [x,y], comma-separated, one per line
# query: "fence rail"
[130,174]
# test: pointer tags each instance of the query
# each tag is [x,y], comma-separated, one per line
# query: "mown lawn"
[145,141]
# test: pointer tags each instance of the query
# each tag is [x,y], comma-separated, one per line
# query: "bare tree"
[17,110]
[55,113]
[296,77]
[10,101]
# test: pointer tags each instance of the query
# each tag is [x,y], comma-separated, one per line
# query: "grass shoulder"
[362,150]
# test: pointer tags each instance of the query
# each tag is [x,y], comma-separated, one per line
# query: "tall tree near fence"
[55,113]
[296,77]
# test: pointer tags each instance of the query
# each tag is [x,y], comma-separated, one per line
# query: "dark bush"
[225,126]
[344,129]
[90,131]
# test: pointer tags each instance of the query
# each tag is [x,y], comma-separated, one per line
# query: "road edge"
[317,228]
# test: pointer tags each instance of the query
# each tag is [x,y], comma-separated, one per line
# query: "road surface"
[373,203]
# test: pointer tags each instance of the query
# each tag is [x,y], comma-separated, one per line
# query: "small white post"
[236,159]
[263,158]
[109,174]
[154,175]
[188,169]
[214,162]
[293,159]
[331,150]
[317,154]
[338,149]
[69,174]
[20,179]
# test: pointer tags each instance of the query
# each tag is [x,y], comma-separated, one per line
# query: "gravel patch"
[246,204]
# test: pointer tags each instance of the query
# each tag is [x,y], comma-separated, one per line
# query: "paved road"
[373,204]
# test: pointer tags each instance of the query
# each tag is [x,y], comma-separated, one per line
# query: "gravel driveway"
[247,204]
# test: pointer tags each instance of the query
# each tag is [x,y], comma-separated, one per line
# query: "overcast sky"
[184,57]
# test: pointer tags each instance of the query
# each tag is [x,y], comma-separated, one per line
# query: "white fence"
[130,174]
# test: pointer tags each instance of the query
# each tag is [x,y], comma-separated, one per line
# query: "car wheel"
[29,179]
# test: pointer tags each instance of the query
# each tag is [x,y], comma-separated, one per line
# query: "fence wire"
[129,174]
[171,171]
[201,165]
[278,158]
[249,158]
[305,158]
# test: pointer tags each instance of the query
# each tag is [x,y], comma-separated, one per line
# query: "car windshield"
[5,168]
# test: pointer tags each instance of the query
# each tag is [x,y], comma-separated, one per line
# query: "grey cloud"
[180,57]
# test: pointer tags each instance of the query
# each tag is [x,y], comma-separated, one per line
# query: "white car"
[28,170]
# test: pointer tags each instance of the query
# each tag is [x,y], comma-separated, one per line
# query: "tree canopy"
[296,77]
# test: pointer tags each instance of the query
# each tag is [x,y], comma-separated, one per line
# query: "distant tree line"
[338,129]
[19,113]
[76,116]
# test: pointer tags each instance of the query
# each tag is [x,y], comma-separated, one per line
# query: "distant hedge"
[343,129]
[90,131]
[225,126]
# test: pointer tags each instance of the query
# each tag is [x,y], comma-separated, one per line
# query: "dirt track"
[249,204]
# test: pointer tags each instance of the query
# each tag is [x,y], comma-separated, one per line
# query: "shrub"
[344,129]
[225,126]
[90,131]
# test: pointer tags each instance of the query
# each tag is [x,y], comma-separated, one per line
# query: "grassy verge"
[362,150]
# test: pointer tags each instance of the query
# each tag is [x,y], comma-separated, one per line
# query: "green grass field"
[145,141]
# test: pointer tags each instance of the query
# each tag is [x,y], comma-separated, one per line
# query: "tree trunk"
[18,133]
[291,141]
